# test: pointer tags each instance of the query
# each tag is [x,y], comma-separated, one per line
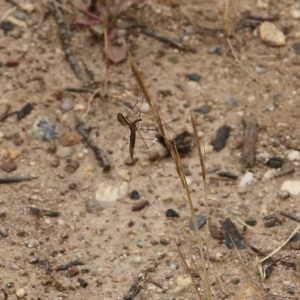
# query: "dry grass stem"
[248,274]
[251,228]
[283,244]
[179,168]
[89,103]
[188,269]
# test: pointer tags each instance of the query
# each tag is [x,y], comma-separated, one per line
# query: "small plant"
[105,18]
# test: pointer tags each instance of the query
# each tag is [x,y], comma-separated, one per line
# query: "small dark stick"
[124,121]
[250,138]
[99,153]
[14,179]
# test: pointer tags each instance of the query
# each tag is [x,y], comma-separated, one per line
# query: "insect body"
[124,121]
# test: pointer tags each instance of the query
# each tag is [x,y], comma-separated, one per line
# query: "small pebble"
[171,213]
[8,166]
[67,104]
[271,35]
[291,186]
[82,283]
[73,271]
[93,207]
[193,77]
[284,194]
[21,293]
[223,194]
[135,195]
[139,205]
[145,108]
[63,152]
[12,155]
[275,162]
[72,166]
[182,284]
[296,237]
[164,241]
[124,174]
[215,50]
[250,221]
[43,130]
[33,243]
[221,138]
[228,175]
[110,192]
[201,220]
[54,163]
[204,109]
[246,180]
[294,155]
[213,169]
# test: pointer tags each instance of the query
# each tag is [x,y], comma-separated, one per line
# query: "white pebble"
[20,293]
[137,259]
[294,155]
[33,243]
[61,222]
[246,180]
[292,186]
[145,108]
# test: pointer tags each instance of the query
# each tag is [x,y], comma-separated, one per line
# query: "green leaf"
[98,29]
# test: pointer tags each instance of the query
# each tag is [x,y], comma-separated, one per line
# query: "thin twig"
[188,269]
[290,216]
[14,179]
[282,245]
[65,37]
[251,228]
[167,41]
[99,153]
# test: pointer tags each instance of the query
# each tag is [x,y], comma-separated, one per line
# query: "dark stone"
[6,26]
[233,239]
[215,50]
[171,213]
[296,237]
[135,195]
[221,138]
[201,220]
[275,162]
[193,77]
[228,175]
[82,282]
[250,221]
[204,109]
[24,111]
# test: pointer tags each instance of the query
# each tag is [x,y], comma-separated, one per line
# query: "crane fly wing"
[122,120]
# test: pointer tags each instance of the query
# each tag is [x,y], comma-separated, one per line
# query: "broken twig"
[168,41]
[65,37]
[99,153]
[14,179]
[250,137]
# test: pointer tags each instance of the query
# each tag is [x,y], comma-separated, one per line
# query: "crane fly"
[124,121]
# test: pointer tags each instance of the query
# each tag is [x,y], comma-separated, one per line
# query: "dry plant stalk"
[230,21]
[189,270]
[230,16]
[248,274]
[180,170]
